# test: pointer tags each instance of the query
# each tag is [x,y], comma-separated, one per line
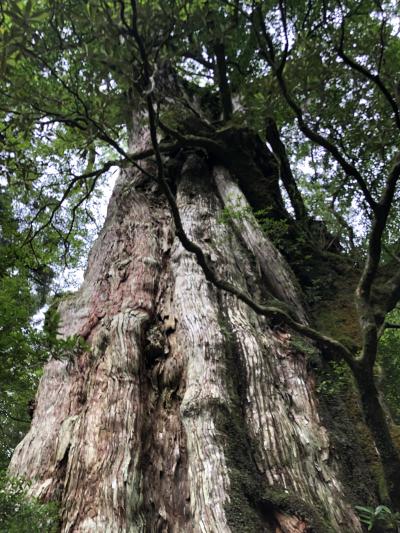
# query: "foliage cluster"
[380,519]
[20,513]
[334,379]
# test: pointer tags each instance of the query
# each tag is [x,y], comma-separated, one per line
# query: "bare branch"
[390,325]
[57,205]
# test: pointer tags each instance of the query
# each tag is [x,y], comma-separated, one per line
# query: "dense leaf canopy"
[72,72]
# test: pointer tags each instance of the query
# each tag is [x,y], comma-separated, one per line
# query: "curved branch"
[378,227]
[76,179]
[374,78]
[190,246]
[268,53]
[368,323]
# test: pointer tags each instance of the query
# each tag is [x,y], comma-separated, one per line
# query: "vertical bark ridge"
[34,457]
[280,280]
[96,455]
[102,489]
[189,412]
[282,417]
[200,338]
[292,445]
[164,460]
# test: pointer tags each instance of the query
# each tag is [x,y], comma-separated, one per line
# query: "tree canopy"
[73,71]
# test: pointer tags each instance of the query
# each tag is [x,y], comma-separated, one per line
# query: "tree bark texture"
[189,413]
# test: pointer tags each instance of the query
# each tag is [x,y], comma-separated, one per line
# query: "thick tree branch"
[378,227]
[389,294]
[198,141]
[199,59]
[380,209]
[363,293]
[223,83]
[314,136]
[286,174]
[390,325]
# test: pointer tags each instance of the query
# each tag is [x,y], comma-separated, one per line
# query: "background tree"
[212,81]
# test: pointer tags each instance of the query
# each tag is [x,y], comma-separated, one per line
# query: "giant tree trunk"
[189,412]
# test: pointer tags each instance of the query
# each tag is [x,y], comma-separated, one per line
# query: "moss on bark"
[252,502]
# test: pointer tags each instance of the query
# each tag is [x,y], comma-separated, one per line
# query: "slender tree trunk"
[223,83]
[189,412]
[376,420]
[286,175]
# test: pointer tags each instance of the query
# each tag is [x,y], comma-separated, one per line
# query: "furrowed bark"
[189,412]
